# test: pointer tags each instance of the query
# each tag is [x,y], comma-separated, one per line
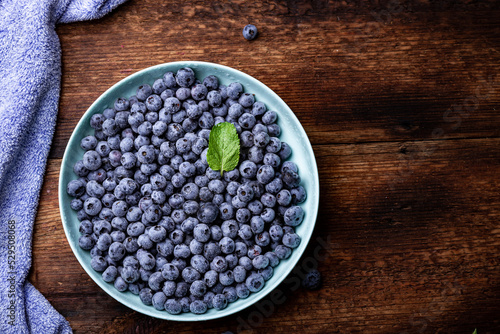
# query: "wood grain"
[400,101]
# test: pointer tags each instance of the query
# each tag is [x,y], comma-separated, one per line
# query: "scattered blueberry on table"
[250,32]
[159,222]
[312,280]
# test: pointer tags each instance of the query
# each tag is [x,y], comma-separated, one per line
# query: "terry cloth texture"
[30,74]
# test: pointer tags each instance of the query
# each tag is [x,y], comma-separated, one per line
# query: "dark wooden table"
[401,101]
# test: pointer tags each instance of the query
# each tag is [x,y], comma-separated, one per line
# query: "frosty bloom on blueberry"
[185,195]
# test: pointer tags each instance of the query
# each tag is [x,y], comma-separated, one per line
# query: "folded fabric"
[30,73]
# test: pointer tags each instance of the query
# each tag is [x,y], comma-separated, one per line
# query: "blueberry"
[245,262]
[80,169]
[189,274]
[147,261]
[86,242]
[226,245]
[198,288]
[312,280]
[247,100]
[187,169]
[159,300]
[182,251]
[157,233]
[298,195]
[255,154]
[144,241]
[190,207]
[159,86]
[88,143]
[214,98]
[155,281]
[211,82]
[284,197]
[120,284]
[260,262]
[173,306]
[255,282]
[98,263]
[248,169]
[143,92]
[154,102]
[218,264]
[185,77]
[210,278]
[254,251]
[206,121]
[183,93]
[121,104]
[216,232]
[245,232]
[86,227]
[275,232]
[198,307]
[91,160]
[246,139]
[199,92]
[92,206]
[211,250]
[274,130]
[216,186]
[145,129]
[243,215]
[245,192]
[75,188]
[226,211]
[208,213]
[294,216]
[234,90]
[174,132]
[226,278]
[176,236]
[271,159]
[283,252]
[219,301]
[146,296]
[266,272]
[119,208]
[269,117]
[274,186]
[249,32]
[103,242]
[169,80]
[268,200]
[235,111]
[268,215]
[170,272]
[110,127]
[291,240]
[229,228]
[96,121]
[109,275]
[130,244]
[181,289]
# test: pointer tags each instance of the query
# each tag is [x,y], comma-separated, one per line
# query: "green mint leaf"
[223,147]
[475,331]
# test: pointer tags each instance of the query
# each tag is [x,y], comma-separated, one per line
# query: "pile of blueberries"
[159,222]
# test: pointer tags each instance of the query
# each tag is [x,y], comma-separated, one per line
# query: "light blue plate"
[292,133]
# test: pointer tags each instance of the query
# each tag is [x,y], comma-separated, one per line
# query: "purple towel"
[30,74]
